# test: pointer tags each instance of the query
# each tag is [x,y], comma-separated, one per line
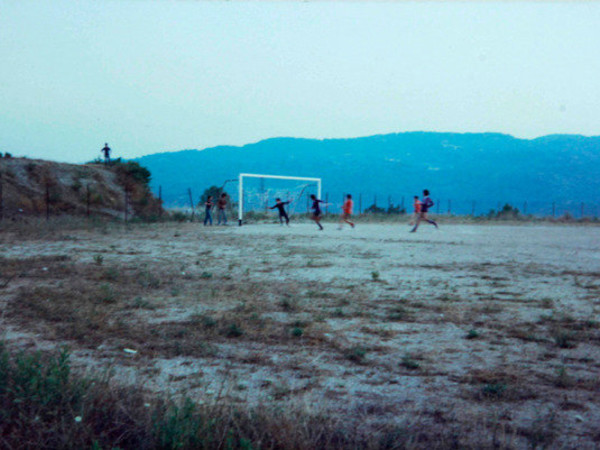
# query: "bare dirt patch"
[489,330]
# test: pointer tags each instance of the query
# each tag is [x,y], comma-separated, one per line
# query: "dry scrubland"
[467,336]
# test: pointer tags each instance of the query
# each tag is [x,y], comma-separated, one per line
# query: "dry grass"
[284,329]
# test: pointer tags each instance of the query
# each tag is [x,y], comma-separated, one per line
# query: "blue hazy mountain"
[487,168]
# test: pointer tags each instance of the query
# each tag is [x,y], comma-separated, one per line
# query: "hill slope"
[487,167]
[28,185]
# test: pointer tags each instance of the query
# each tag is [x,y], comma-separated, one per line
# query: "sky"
[151,77]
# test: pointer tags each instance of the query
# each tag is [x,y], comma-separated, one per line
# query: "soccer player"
[316,215]
[417,210]
[221,204]
[281,208]
[346,212]
[208,204]
[426,203]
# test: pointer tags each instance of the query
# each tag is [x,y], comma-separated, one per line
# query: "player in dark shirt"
[106,151]
[281,208]
[316,215]
[208,205]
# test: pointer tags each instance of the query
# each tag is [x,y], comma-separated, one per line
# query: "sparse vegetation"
[356,354]
[409,362]
[162,304]
[472,334]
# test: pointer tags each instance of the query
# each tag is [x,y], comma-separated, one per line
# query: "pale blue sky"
[149,77]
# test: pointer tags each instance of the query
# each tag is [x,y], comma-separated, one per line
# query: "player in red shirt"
[417,211]
[346,212]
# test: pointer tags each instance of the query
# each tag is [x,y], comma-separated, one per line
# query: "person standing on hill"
[208,204]
[346,212]
[281,208]
[106,151]
[426,203]
[221,204]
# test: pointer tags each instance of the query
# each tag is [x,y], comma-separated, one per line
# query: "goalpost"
[276,177]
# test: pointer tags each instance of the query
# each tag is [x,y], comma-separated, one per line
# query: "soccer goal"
[252,196]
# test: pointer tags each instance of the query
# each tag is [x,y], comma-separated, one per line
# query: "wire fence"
[50,202]
[377,203]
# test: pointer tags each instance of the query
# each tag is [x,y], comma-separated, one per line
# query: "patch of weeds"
[447,298]
[356,354]
[563,379]
[492,308]
[494,391]
[343,302]
[147,279]
[525,334]
[107,294]
[409,362]
[542,432]
[297,332]
[98,259]
[288,304]
[398,313]
[472,334]
[564,339]
[204,320]
[375,276]
[233,331]
[110,274]
[140,303]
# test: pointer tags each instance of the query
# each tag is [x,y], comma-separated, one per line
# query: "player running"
[317,213]
[417,210]
[281,208]
[426,203]
[346,212]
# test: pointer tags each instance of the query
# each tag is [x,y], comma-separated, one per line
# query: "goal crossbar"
[277,177]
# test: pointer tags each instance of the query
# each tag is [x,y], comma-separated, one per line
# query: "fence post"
[47,201]
[126,204]
[1,200]
[160,208]
[87,200]
[326,203]
[191,202]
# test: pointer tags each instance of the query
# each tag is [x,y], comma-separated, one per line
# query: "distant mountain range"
[459,169]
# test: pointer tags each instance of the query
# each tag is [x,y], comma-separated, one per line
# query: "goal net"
[257,192]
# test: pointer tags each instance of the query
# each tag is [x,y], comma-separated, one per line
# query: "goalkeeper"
[281,208]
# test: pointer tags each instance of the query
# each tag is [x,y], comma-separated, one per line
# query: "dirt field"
[487,331]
